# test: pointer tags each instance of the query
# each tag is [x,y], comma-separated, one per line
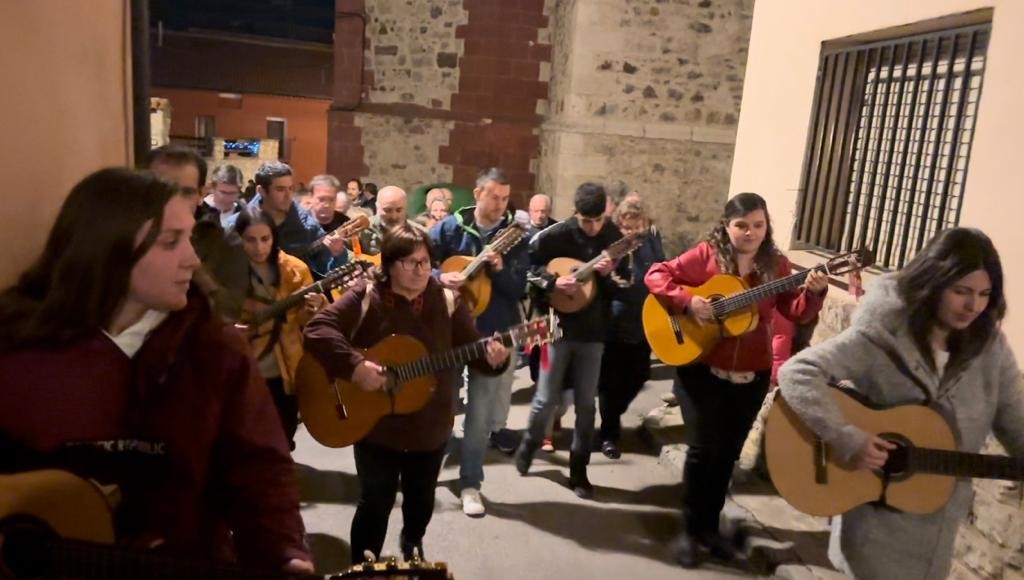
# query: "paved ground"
[536,528]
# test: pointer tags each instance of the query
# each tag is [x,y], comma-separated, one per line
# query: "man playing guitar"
[488,397]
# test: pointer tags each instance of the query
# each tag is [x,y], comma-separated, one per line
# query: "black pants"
[717,415]
[380,471]
[287,409]
[625,367]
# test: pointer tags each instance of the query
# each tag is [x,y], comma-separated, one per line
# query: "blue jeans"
[487,403]
[585,359]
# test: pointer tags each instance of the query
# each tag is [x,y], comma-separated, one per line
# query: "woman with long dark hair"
[721,395]
[113,364]
[274,275]
[928,334]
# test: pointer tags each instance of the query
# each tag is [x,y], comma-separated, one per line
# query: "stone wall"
[556,92]
[647,92]
[445,88]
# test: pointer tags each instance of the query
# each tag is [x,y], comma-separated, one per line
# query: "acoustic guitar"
[337,413]
[565,302]
[477,289]
[918,478]
[680,339]
[346,230]
[260,322]
[54,524]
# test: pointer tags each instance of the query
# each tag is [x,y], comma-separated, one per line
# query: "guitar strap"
[449,302]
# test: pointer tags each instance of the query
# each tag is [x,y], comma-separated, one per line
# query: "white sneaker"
[472,502]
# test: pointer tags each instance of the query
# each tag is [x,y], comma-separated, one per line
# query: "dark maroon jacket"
[330,339]
[193,391]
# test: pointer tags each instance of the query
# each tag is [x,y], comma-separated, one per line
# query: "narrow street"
[535,527]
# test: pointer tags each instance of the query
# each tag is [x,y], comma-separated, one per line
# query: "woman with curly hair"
[721,394]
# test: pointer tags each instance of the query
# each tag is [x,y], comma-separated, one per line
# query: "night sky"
[306,20]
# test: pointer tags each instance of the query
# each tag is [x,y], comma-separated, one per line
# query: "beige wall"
[779,89]
[65,111]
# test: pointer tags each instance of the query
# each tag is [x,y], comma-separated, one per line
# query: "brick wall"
[444,88]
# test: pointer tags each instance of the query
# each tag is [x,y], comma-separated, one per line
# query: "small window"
[277,129]
[206,126]
[889,143]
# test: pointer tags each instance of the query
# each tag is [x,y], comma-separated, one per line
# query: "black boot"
[684,550]
[411,551]
[524,456]
[578,475]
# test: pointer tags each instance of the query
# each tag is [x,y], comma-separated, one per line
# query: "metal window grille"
[890,141]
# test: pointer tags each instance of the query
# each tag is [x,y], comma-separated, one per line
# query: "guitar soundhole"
[26,549]
[898,465]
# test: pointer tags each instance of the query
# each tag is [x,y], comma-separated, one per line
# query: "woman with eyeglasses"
[402,451]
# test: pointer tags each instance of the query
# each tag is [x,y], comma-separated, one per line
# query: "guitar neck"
[478,262]
[285,304]
[730,304]
[450,359]
[961,464]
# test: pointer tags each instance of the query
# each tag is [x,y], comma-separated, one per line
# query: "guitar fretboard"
[451,359]
[729,304]
[961,464]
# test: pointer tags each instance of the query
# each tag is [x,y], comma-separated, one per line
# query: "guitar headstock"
[391,568]
[537,331]
[353,226]
[850,262]
[347,275]
[626,245]
[507,238]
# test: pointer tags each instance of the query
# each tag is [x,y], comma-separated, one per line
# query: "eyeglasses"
[410,265]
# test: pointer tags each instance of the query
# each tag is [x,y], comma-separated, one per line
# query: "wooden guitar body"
[476,292]
[71,507]
[679,339]
[806,475]
[338,413]
[568,303]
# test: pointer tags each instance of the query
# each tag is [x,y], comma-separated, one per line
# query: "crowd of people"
[128,355]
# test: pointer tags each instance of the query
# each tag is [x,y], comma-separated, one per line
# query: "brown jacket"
[329,338]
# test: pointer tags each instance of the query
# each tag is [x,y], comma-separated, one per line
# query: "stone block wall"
[556,92]
[647,92]
[442,89]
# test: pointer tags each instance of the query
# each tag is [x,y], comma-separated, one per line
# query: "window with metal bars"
[890,141]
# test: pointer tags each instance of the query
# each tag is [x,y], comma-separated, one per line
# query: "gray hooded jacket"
[879,357]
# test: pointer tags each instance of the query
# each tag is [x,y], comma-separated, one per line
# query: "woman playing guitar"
[928,334]
[401,451]
[112,359]
[273,275]
[721,395]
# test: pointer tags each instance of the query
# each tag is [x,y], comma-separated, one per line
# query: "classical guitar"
[584,273]
[477,289]
[56,525]
[346,230]
[338,413]
[680,339]
[919,477]
[259,321]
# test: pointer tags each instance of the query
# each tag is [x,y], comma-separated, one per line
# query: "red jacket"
[748,352]
[224,485]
